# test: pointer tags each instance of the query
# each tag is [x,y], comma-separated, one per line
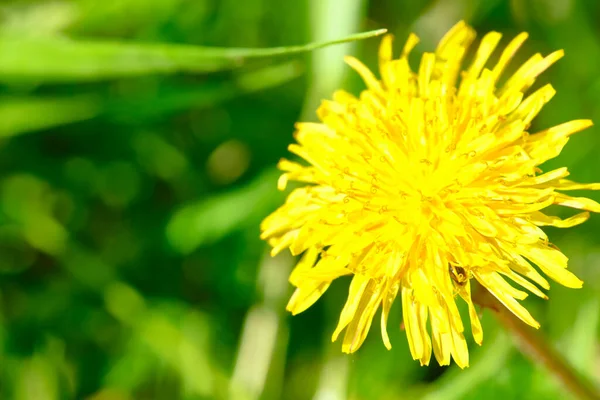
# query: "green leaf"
[178,97]
[212,219]
[21,115]
[52,59]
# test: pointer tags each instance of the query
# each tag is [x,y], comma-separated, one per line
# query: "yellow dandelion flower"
[420,185]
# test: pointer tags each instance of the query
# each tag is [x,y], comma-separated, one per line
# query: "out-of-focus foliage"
[138,141]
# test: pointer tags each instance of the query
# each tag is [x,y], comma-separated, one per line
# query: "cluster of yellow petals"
[419,186]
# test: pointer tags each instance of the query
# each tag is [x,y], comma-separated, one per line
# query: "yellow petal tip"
[346,348]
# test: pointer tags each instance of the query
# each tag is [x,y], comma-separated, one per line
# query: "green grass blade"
[175,98]
[21,115]
[59,59]
[211,219]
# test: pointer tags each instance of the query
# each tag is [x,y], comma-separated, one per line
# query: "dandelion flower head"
[428,181]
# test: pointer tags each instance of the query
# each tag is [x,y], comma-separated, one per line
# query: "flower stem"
[533,345]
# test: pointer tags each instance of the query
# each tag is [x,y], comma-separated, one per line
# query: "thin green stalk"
[535,346]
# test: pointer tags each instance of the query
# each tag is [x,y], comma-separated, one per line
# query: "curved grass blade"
[60,59]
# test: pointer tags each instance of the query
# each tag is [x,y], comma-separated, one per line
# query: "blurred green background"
[135,167]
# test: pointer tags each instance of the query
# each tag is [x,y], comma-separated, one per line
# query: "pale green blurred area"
[136,165]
